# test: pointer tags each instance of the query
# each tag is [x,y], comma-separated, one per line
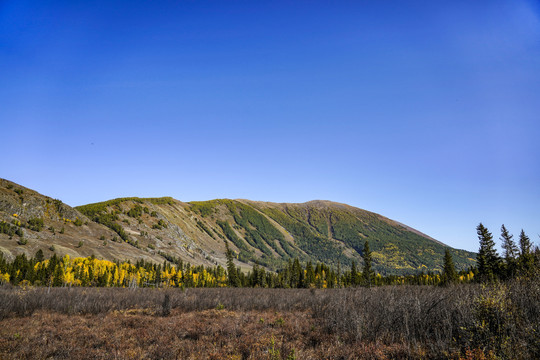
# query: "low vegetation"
[462,322]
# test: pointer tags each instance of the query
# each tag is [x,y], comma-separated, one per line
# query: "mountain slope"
[258,232]
[30,221]
[328,232]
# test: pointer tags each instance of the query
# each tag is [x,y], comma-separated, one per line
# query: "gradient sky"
[427,112]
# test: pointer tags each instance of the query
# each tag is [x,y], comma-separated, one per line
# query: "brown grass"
[208,334]
[466,321]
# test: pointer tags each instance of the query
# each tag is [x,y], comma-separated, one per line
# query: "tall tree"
[488,259]
[231,269]
[355,280]
[526,256]
[368,272]
[510,252]
[449,270]
[310,275]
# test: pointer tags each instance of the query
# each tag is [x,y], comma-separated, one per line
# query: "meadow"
[462,321]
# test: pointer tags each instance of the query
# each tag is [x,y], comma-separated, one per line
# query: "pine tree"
[508,245]
[510,251]
[231,269]
[488,259]
[310,275]
[39,256]
[449,270]
[526,256]
[354,275]
[296,274]
[369,274]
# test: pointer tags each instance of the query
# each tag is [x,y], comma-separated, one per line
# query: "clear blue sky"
[427,112]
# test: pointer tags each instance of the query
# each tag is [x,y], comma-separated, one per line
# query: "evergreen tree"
[369,274]
[39,256]
[510,251]
[526,256]
[296,274]
[231,269]
[509,246]
[488,259]
[58,277]
[355,281]
[310,275]
[449,270]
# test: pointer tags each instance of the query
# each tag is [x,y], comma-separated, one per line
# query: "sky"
[426,112]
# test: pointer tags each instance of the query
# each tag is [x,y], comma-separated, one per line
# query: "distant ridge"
[258,232]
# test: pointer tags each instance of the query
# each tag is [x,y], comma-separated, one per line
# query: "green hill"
[268,234]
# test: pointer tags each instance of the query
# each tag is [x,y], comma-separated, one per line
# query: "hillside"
[30,221]
[258,232]
[322,231]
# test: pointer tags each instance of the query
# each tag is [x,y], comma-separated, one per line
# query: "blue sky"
[426,112]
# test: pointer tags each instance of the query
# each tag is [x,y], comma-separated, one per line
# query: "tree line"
[65,271]
[515,261]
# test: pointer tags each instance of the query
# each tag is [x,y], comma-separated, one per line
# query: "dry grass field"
[458,322]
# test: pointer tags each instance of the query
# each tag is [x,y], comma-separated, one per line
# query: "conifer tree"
[354,275]
[296,274]
[488,259]
[510,251]
[508,245]
[526,256]
[231,269]
[39,256]
[310,275]
[368,272]
[449,270]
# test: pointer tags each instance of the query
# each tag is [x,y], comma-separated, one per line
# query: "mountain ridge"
[258,232]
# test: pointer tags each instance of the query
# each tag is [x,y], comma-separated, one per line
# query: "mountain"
[258,232]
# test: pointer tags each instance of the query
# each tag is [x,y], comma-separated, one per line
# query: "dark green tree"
[231,269]
[526,255]
[39,256]
[510,252]
[355,279]
[488,259]
[449,270]
[310,275]
[368,272]
[297,274]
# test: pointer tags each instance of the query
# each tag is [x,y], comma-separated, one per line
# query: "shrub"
[166,305]
[35,224]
